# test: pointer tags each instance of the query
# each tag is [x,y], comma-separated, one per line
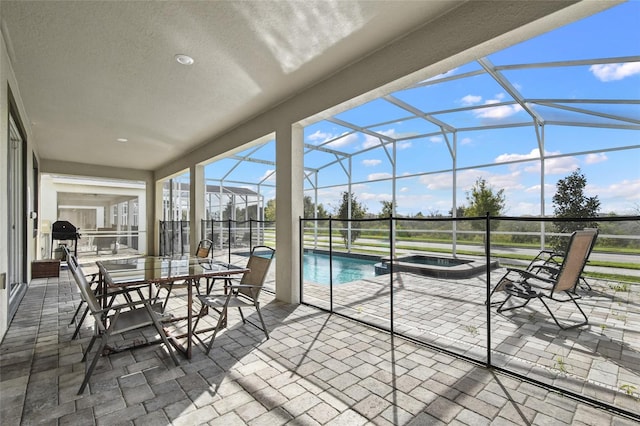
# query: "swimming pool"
[315,267]
[345,269]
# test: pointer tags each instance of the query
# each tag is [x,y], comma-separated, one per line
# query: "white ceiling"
[91,72]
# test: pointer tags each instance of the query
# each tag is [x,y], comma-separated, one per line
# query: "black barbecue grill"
[62,230]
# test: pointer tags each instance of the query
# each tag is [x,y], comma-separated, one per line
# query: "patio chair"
[549,262]
[114,320]
[523,285]
[204,248]
[245,294]
[203,251]
[94,285]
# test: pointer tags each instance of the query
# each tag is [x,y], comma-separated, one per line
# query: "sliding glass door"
[16,248]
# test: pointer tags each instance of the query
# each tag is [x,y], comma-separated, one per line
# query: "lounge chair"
[114,320]
[549,262]
[242,295]
[527,285]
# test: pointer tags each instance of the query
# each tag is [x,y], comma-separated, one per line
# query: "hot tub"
[435,266]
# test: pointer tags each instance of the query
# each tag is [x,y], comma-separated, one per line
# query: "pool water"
[345,269]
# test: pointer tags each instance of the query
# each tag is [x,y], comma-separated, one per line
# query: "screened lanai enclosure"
[521,119]
[224,205]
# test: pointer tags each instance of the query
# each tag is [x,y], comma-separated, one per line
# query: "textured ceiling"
[91,72]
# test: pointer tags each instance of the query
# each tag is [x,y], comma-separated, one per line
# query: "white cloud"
[405,189]
[370,141]
[345,140]
[498,112]
[376,176]
[508,181]
[556,166]
[436,139]
[465,141]
[626,189]
[437,181]
[503,158]
[471,100]
[535,189]
[445,180]
[613,72]
[369,196]
[551,166]
[595,158]
[619,197]
[371,163]
[319,136]
[269,175]
[467,178]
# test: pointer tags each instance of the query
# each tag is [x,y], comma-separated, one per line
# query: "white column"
[153,231]
[130,215]
[289,209]
[196,210]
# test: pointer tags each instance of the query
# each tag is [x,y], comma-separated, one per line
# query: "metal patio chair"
[203,251]
[550,261]
[94,284]
[114,320]
[527,285]
[245,294]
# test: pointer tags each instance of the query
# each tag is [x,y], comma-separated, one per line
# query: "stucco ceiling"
[92,72]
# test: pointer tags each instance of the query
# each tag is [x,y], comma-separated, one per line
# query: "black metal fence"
[226,235]
[450,313]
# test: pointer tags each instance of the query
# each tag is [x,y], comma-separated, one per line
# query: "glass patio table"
[152,270]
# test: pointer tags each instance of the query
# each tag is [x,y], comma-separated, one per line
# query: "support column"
[155,214]
[289,208]
[197,189]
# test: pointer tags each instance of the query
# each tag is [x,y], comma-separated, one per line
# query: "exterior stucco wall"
[8,84]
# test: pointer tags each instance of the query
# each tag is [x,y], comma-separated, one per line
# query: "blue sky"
[502,156]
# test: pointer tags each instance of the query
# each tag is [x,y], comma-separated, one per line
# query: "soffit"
[91,72]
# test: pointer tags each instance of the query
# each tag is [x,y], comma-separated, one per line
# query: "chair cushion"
[132,319]
[218,300]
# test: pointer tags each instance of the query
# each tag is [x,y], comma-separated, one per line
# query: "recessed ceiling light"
[123,140]
[184,59]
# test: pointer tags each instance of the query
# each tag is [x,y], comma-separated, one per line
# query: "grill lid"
[63,230]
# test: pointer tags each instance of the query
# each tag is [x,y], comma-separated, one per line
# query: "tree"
[358,211]
[387,209]
[310,210]
[228,210]
[483,200]
[322,213]
[459,211]
[270,210]
[569,201]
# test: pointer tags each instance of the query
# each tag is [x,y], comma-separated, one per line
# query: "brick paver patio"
[316,368]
